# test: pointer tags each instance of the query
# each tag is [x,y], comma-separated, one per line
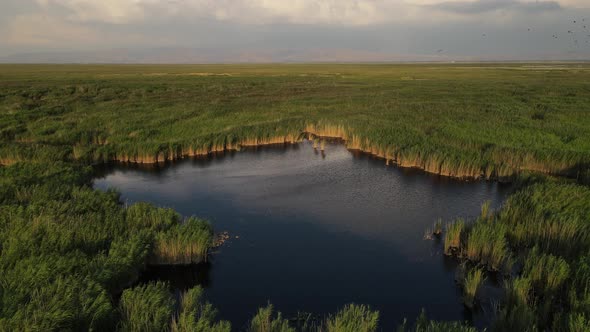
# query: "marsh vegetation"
[456,120]
[539,243]
[71,256]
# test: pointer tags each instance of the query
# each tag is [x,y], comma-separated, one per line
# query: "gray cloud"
[484,6]
[295,30]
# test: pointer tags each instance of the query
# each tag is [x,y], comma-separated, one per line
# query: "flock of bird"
[581,31]
[575,36]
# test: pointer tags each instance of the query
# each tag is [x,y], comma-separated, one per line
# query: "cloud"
[374,26]
[353,12]
[38,29]
[48,31]
[109,11]
[485,6]
[338,12]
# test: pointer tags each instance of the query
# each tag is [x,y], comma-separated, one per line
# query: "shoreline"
[502,164]
[351,142]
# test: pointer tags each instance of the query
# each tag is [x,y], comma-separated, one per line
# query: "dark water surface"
[312,232]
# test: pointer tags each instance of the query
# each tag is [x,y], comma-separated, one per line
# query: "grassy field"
[70,256]
[467,120]
[539,242]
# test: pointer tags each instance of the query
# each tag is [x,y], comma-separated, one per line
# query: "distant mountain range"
[192,55]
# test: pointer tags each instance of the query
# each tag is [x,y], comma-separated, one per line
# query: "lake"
[311,231]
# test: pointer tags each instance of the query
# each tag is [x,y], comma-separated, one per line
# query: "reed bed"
[453,234]
[516,318]
[67,250]
[353,318]
[146,308]
[486,213]
[518,291]
[151,307]
[264,321]
[542,231]
[186,243]
[487,244]
[548,273]
[550,216]
[68,243]
[473,281]
[143,215]
[196,314]
[144,120]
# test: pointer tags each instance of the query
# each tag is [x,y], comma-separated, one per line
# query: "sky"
[294,30]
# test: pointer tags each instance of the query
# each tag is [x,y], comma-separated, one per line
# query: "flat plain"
[71,255]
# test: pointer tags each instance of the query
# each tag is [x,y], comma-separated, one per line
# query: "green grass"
[197,315]
[553,217]
[183,244]
[264,321]
[473,281]
[542,230]
[353,318]
[145,216]
[67,252]
[547,272]
[146,308]
[485,210]
[453,234]
[487,244]
[458,120]
[151,307]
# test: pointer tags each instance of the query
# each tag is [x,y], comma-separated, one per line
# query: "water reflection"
[316,230]
[180,277]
